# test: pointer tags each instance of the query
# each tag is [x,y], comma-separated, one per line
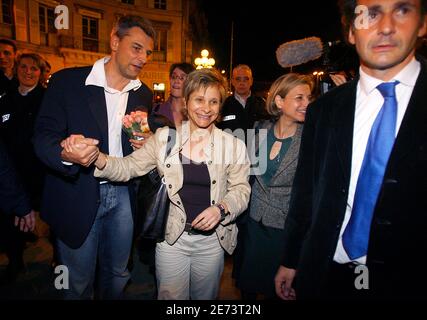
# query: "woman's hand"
[207,219]
[137,144]
[338,79]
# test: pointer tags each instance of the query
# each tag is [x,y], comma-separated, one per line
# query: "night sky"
[261,27]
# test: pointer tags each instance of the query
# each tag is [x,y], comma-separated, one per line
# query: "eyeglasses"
[176,77]
[241,79]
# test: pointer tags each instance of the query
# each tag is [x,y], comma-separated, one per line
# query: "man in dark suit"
[358,214]
[93,219]
[238,114]
[8,51]
[242,109]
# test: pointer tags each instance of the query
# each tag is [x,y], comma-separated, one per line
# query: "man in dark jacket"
[8,52]
[92,219]
[242,109]
[357,223]
[239,113]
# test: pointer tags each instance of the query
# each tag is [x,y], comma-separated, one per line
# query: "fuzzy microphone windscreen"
[298,52]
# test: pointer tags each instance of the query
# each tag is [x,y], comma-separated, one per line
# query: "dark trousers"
[12,241]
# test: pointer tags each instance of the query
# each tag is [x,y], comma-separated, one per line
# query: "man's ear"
[114,41]
[423,26]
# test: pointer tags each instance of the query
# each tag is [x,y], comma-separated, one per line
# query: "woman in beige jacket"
[206,174]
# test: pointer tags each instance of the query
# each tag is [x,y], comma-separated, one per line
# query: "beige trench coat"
[228,167]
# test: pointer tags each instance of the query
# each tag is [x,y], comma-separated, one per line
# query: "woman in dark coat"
[278,144]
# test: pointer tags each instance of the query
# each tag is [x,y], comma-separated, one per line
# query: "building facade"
[72,33]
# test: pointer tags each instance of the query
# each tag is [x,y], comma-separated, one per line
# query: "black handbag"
[154,201]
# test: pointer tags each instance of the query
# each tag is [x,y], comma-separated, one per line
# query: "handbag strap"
[171,141]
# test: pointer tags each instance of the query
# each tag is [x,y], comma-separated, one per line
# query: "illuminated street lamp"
[204,61]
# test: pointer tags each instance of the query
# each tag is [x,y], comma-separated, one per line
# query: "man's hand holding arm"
[79,150]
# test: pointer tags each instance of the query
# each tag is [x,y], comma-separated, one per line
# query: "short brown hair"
[9,42]
[129,21]
[183,66]
[281,87]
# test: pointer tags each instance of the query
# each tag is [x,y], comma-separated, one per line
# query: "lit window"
[6,11]
[46,23]
[160,4]
[90,34]
[160,47]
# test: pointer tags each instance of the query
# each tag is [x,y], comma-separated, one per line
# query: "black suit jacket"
[242,117]
[398,240]
[20,112]
[7,84]
[13,198]
[71,194]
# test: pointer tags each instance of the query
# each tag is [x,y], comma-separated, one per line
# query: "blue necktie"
[381,139]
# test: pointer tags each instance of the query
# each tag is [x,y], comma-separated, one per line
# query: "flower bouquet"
[136,121]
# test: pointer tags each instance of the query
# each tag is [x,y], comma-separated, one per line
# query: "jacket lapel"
[291,155]
[267,126]
[98,107]
[135,101]
[413,126]
[341,117]
[181,137]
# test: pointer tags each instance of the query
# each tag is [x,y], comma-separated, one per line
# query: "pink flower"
[136,121]
[126,123]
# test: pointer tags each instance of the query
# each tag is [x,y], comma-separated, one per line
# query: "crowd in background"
[293,215]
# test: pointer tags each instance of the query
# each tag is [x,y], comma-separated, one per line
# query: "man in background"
[8,53]
[242,109]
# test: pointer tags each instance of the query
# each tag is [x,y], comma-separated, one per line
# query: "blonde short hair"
[204,78]
[281,87]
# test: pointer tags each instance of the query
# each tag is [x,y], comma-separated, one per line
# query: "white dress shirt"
[242,100]
[368,104]
[116,104]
